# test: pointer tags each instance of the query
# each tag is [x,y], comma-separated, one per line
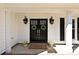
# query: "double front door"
[38,30]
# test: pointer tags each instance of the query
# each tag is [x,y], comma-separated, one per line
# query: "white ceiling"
[41,7]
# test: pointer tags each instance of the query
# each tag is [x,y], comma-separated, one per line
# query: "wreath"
[33,27]
[43,27]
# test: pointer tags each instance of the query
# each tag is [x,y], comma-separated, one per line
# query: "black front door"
[38,30]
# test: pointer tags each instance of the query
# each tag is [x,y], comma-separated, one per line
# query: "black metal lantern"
[25,20]
[51,20]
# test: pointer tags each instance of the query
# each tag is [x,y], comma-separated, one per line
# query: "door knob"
[38,31]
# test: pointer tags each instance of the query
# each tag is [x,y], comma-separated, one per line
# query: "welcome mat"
[38,46]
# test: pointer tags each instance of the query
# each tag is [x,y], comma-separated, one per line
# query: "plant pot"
[25,45]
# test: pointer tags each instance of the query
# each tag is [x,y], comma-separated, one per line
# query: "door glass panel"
[62,24]
[42,22]
[34,22]
[73,29]
[78,29]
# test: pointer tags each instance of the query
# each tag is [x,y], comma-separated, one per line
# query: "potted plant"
[51,43]
[25,43]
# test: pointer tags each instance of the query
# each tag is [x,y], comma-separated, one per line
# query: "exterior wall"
[53,29]
[8,30]
[14,30]
[2,30]
[11,29]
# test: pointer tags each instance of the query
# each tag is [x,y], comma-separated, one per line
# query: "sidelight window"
[62,24]
[73,28]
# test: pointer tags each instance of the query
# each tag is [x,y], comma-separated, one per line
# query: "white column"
[7,31]
[69,32]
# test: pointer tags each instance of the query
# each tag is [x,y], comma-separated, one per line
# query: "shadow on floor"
[75,46]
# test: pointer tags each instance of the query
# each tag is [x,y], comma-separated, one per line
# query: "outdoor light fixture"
[25,20]
[51,20]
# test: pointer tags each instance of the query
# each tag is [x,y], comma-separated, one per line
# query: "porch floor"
[20,49]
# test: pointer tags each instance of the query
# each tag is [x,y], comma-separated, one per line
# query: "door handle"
[38,31]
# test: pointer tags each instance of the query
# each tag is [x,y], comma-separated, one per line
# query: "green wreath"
[33,27]
[43,27]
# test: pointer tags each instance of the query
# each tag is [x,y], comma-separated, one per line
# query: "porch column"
[69,32]
[7,31]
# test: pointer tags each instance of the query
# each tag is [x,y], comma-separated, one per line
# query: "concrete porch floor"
[19,49]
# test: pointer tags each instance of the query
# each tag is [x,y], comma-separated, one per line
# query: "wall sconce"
[51,20]
[25,20]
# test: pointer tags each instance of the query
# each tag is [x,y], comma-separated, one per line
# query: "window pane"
[73,29]
[78,29]
[62,23]
[73,23]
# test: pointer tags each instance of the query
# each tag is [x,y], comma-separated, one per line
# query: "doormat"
[38,46]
